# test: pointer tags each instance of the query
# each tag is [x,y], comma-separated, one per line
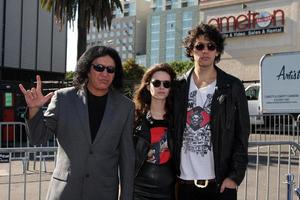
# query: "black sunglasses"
[201,46]
[101,68]
[157,83]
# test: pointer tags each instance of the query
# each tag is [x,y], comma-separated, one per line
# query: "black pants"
[211,192]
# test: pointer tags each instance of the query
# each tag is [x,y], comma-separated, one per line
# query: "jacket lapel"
[82,111]
[221,92]
[109,115]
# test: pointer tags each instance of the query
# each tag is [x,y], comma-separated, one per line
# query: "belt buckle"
[201,185]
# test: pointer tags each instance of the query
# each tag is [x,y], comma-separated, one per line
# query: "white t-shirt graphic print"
[197,161]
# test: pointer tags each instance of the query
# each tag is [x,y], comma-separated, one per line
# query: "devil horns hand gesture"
[34,97]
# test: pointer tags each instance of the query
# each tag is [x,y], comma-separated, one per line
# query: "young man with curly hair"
[211,122]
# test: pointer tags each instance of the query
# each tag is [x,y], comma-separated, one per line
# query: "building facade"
[167,26]
[30,42]
[128,30]
[252,29]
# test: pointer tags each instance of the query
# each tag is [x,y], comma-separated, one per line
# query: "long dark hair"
[86,59]
[210,32]
[142,97]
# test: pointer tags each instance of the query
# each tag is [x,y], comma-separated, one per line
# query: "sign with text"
[8,99]
[252,23]
[280,80]
[4,157]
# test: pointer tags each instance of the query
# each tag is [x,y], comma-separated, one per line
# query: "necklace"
[157,115]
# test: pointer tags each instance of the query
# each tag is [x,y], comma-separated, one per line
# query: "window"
[155,39]
[158,4]
[252,93]
[170,37]
[187,23]
[132,9]
[168,7]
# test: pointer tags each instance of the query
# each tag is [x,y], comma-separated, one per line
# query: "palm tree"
[100,11]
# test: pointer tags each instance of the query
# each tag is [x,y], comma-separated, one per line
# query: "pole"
[290,182]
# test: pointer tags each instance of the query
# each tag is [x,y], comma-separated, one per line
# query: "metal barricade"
[29,184]
[14,135]
[274,127]
[271,166]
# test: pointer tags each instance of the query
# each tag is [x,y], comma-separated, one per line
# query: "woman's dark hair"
[86,59]
[142,97]
[210,32]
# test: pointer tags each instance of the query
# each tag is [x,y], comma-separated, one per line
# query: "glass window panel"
[132,9]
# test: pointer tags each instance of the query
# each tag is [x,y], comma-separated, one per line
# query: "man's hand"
[228,183]
[34,97]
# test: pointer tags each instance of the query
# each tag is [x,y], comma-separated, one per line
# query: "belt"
[197,183]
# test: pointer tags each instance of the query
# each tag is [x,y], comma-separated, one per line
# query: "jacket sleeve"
[241,135]
[127,158]
[43,125]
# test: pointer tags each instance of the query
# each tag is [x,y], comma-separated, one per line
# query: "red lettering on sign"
[246,21]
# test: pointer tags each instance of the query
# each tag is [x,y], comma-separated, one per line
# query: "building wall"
[12,43]
[164,38]
[1,30]
[242,54]
[44,40]
[128,30]
[29,34]
[143,10]
[59,46]
[31,40]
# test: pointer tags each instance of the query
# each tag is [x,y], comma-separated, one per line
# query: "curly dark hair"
[142,97]
[86,59]
[210,32]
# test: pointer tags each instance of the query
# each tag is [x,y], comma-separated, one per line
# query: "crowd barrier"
[19,182]
[272,172]
[274,127]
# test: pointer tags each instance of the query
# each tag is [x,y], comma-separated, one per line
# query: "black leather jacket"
[229,125]
[142,142]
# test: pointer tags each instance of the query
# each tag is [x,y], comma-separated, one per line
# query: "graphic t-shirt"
[197,160]
[158,152]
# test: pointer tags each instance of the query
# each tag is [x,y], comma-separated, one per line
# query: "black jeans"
[211,192]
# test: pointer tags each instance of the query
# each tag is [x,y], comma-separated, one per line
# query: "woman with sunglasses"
[154,174]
